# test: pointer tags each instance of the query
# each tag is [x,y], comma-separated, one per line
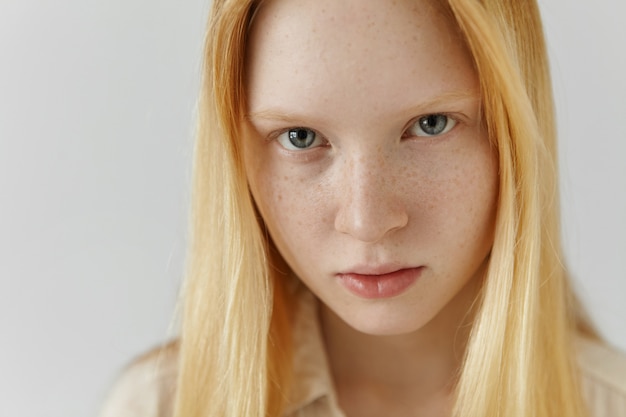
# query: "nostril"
[370,205]
[370,220]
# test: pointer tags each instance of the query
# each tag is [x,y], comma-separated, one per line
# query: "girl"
[375,222]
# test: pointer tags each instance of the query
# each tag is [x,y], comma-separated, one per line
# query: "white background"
[96,125]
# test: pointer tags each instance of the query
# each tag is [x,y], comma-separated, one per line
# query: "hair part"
[525,324]
[235,352]
[233,337]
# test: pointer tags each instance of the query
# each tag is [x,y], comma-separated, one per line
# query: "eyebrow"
[438,101]
[448,98]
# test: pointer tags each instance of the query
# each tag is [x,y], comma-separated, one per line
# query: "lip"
[379,281]
[375,270]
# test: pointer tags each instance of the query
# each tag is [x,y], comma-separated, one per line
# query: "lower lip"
[380,286]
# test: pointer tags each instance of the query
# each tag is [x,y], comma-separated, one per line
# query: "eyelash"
[450,123]
[288,138]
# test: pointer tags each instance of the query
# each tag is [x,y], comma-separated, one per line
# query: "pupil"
[433,124]
[301,138]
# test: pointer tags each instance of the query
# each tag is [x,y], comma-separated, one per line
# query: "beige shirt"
[146,388]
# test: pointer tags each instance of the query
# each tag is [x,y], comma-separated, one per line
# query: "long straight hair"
[235,337]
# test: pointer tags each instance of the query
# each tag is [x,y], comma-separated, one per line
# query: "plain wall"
[96,124]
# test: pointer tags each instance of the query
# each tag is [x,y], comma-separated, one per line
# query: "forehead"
[324,53]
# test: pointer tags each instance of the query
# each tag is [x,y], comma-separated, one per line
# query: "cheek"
[291,206]
[466,201]
[451,194]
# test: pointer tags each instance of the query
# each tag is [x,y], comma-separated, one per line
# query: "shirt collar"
[311,375]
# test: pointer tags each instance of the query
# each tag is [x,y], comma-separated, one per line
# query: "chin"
[381,324]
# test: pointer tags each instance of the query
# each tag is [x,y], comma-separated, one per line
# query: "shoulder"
[603,378]
[146,388]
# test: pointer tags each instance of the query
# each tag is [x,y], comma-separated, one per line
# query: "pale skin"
[388,166]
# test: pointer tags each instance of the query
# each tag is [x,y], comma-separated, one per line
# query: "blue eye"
[431,125]
[299,138]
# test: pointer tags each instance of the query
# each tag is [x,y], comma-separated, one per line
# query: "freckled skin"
[359,72]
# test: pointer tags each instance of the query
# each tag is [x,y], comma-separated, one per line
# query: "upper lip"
[381,269]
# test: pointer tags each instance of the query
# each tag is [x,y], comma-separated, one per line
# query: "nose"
[370,205]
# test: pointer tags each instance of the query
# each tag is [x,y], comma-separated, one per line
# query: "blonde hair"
[235,336]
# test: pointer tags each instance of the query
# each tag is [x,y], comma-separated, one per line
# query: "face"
[367,158]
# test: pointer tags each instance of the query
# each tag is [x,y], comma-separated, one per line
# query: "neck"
[420,367]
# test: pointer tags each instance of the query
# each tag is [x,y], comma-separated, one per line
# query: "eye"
[299,138]
[431,125]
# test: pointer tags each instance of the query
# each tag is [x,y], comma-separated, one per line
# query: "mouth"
[379,282]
